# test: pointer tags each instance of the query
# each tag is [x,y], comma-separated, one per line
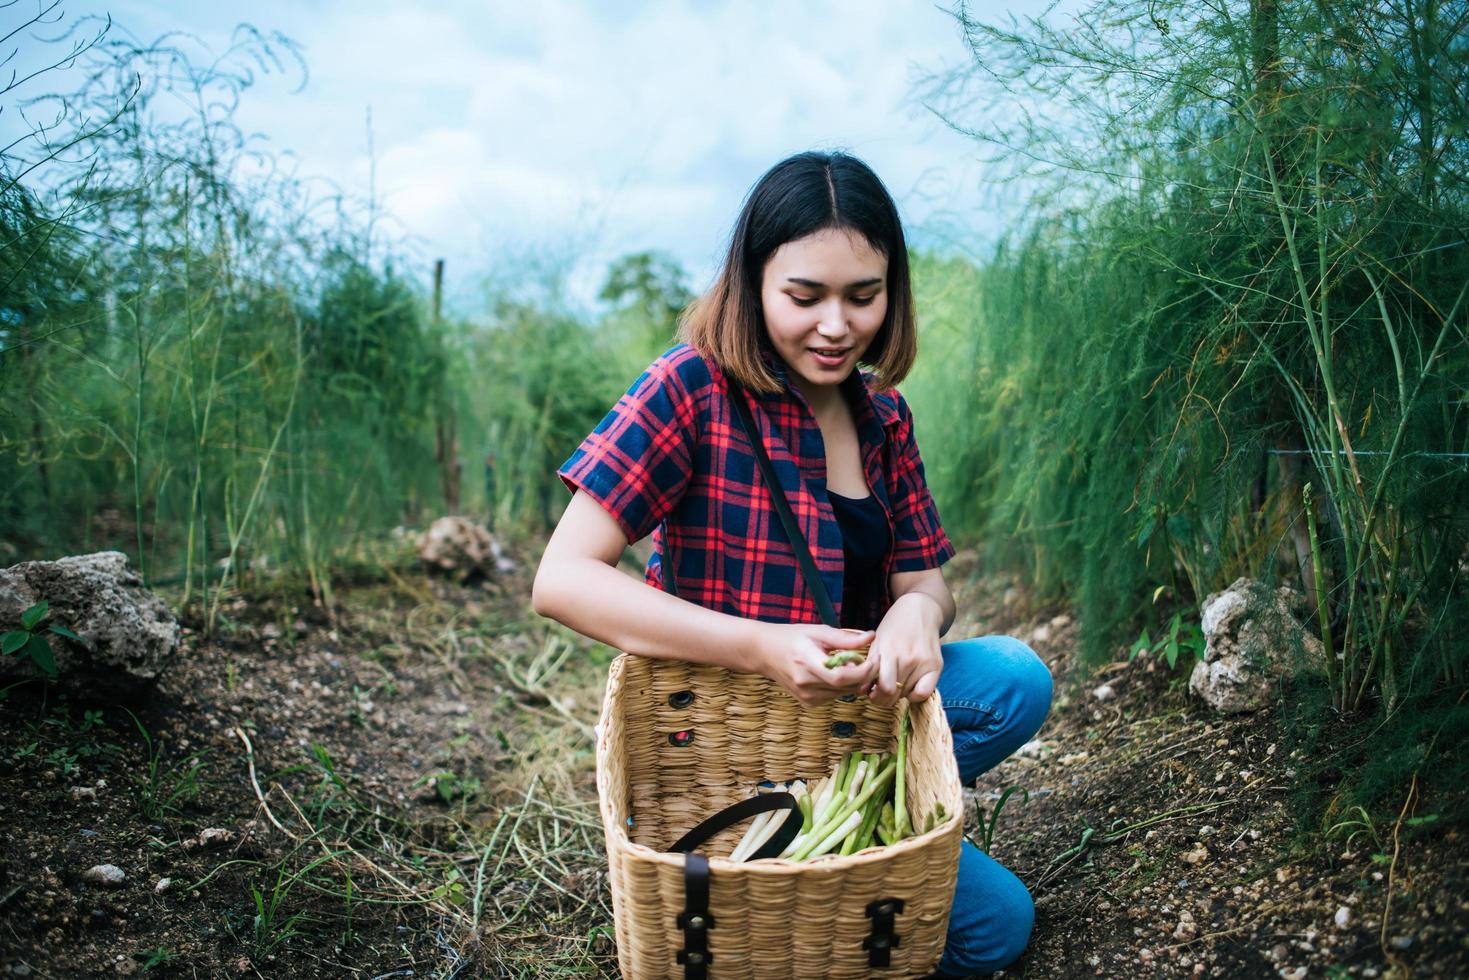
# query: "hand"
[907,650]
[794,656]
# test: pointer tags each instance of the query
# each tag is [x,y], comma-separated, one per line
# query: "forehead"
[829,256]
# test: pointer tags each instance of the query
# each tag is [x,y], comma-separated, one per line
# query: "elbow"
[543,592]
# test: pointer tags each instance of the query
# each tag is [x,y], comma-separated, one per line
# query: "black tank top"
[865,542]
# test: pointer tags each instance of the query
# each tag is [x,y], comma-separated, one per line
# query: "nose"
[833,320]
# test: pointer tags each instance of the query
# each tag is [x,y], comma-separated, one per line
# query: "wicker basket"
[773,918]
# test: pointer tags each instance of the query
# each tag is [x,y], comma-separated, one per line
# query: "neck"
[822,398]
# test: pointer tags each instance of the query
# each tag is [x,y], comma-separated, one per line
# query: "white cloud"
[610,126]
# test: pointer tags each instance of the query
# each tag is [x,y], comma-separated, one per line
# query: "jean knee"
[980,948]
[1034,686]
[1029,679]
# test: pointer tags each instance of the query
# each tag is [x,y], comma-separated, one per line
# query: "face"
[824,298]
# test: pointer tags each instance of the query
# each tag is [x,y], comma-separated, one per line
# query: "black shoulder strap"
[782,507]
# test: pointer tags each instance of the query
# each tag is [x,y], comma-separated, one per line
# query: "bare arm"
[578,585]
[930,583]
[907,643]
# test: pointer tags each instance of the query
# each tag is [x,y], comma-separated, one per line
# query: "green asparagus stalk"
[883,780]
[900,791]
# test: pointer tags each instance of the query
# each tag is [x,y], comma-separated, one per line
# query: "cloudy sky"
[579,130]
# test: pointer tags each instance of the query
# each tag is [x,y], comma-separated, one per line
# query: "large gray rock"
[1253,636]
[459,546]
[131,632]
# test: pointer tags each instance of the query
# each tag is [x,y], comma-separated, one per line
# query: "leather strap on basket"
[695,920]
[782,506]
[883,939]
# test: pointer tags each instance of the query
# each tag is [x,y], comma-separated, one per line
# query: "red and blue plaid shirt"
[671,459]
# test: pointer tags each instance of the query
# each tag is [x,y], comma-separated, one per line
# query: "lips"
[833,357]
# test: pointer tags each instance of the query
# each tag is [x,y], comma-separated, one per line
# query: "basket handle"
[695,920]
[744,810]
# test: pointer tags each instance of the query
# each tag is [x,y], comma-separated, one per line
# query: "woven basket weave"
[773,918]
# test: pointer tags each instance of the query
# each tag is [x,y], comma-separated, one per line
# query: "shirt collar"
[858,384]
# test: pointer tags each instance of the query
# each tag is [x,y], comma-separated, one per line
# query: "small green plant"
[1357,824]
[164,789]
[1181,637]
[451,786]
[30,640]
[988,822]
[153,958]
[64,759]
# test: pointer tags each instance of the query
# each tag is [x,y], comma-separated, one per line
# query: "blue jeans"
[996,693]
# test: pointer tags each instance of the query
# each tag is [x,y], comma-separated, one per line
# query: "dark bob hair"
[803,194]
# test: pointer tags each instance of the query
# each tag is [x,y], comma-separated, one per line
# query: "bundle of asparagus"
[861,803]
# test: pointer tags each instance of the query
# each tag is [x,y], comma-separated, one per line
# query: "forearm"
[937,599]
[599,601]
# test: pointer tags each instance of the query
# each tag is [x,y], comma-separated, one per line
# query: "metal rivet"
[886,908]
[681,739]
[843,729]
[680,699]
[696,958]
[696,922]
[881,942]
[847,698]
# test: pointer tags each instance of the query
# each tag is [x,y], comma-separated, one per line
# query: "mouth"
[830,356]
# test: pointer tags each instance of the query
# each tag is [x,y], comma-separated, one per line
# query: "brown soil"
[422,804]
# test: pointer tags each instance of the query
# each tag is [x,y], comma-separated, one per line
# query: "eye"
[804,300]
[864,300]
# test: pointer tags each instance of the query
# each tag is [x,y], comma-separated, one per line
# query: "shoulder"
[681,370]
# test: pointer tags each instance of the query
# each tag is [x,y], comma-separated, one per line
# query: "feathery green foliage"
[1245,272]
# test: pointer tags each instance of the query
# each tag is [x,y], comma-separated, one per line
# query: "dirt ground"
[404,788]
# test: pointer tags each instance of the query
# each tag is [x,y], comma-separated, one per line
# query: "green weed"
[1180,639]
[989,821]
[164,789]
[30,642]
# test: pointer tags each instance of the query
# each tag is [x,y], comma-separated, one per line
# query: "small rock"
[1145,954]
[1074,757]
[1039,635]
[1401,942]
[109,875]
[1060,622]
[215,837]
[1198,854]
[164,884]
[1343,917]
[1034,749]
[1208,830]
[1299,973]
[1104,693]
[83,793]
[1186,928]
[1279,952]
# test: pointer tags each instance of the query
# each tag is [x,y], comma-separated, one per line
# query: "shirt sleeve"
[638,461]
[919,541]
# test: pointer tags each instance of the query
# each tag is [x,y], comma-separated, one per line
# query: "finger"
[887,681]
[841,639]
[850,677]
[924,687]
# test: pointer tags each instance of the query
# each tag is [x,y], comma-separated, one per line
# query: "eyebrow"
[813,284]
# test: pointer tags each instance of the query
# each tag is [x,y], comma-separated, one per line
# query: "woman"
[815,282]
